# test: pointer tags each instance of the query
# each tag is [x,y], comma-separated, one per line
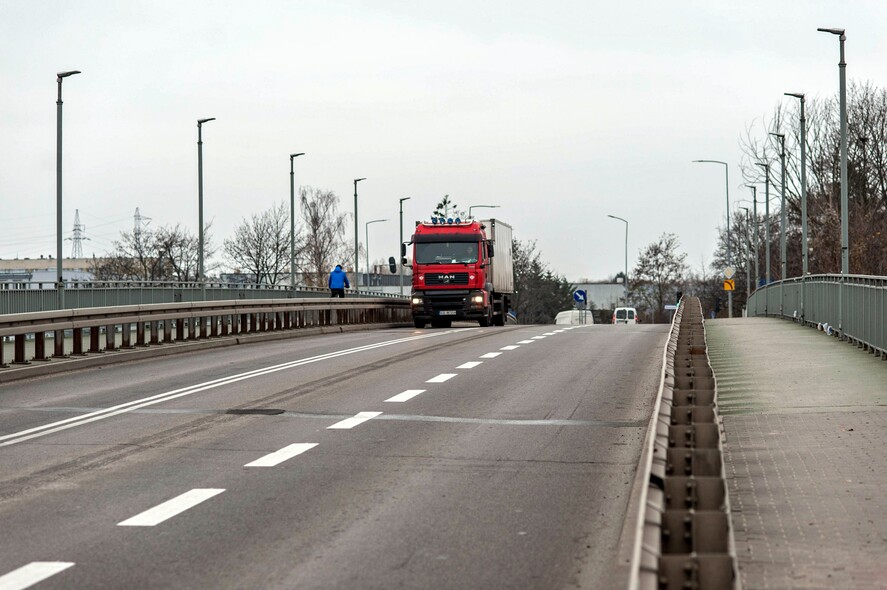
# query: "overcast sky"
[558,112]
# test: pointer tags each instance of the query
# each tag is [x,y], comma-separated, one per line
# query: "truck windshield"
[446,252]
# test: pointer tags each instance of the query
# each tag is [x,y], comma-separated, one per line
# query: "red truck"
[462,270]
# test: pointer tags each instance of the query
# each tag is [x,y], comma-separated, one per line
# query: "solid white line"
[489,355]
[442,377]
[510,347]
[170,508]
[360,418]
[278,457]
[406,395]
[28,575]
[538,337]
[52,427]
[525,341]
[470,365]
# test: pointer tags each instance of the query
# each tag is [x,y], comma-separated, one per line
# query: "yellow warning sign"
[729,285]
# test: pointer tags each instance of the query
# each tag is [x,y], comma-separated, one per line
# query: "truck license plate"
[447,312]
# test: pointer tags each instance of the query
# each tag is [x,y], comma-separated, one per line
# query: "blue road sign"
[579,296]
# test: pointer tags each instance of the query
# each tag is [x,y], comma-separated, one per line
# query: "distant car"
[574,317]
[625,315]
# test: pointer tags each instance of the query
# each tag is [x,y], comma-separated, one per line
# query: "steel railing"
[22,297]
[80,331]
[852,307]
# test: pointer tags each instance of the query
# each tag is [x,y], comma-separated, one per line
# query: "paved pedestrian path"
[805,419]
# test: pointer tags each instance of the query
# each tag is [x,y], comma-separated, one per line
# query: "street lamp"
[367,228]
[200,274]
[356,243]
[399,246]
[783,263]
[293,223]
[804,268]
[766,167]
[754,190]
[842,70]
[60,283]
[625,274]
[747,260]
[480,206]
[845,238]
[729,246]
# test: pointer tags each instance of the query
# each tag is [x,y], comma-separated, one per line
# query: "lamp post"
[845,239]
[729,240]
[200,274]
[401,242]
[356,243]
[293,223]
[783,263]
[479,206]
[60,283]
[367,228]
[766,167]
[625,273]
[754,190]
[804,268]
[747,260]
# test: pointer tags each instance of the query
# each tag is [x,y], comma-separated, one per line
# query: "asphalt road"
[464,458]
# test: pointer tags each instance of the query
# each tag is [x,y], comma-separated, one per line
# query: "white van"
[574,317]
[625,315]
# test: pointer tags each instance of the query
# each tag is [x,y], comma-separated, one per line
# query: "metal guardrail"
[38,297]
[852,307]
[683,537]
[79,331]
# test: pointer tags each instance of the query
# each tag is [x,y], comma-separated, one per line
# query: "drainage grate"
[255,411]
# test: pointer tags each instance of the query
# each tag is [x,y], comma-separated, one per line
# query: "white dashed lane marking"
[538,337]
[489,355]
[171,508]
[470,365]
[549,334]
[525,341]
[406,395]
[441,378]
[510,347]
[278,457]
[28,575]
[360,418]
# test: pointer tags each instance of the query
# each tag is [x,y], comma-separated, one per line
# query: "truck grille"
[440,278]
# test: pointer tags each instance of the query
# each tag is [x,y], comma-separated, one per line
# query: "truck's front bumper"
[448,305]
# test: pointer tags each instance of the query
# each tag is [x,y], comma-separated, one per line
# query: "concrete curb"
[70,363]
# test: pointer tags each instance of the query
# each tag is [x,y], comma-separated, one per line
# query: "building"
[40,273]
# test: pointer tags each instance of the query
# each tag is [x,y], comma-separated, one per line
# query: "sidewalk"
[805,418]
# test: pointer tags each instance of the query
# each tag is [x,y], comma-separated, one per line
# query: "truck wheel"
[418,323]
[438,324]
[484,322]
[499,320]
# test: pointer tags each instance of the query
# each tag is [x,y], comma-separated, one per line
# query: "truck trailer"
[462,270]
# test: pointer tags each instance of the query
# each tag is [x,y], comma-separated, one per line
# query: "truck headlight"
[417,301]
[478,299]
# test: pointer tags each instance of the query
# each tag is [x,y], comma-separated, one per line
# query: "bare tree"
[659,271]
[260,245]
[322,241]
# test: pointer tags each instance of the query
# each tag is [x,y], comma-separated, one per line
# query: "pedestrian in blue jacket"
[338,282]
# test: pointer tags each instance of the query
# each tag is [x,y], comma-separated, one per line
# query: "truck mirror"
[490,249]
[403,251]
[392,265]
[406,262]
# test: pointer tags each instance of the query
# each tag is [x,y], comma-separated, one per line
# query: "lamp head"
[356,180]
[405,199]
[66,74]
[795,94]
[202,121]
[832,31]
[779,135]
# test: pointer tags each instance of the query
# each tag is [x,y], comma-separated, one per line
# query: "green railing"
[852,307]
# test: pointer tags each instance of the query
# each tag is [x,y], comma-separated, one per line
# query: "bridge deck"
[805,418]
